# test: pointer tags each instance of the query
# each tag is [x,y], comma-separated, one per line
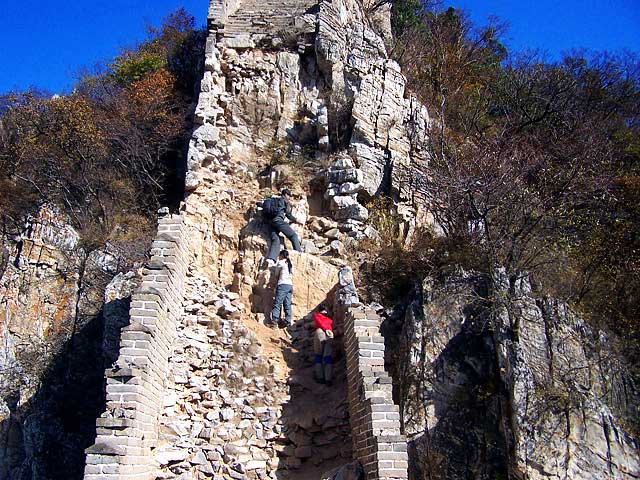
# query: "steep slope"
[238,398]
[241,400]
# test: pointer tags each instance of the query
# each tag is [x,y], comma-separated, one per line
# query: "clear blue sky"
[557,26]
[45,43]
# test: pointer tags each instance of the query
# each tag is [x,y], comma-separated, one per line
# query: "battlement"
[374,418]
[127,430]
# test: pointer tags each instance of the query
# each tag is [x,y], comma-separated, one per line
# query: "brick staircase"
[257,19]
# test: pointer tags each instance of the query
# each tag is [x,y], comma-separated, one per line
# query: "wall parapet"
[127,432]
[375,420]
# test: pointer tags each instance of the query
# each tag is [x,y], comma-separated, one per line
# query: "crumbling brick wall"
[127,430]
[375,419]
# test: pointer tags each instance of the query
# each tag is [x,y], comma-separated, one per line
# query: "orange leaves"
[157,87]
[61,127]
[74,128]
[153,105]
[153,97]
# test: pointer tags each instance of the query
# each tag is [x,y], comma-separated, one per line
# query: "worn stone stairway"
[316,416]
[241,402]
[256,19]
[235,399]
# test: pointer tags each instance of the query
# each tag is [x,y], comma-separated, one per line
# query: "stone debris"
[226,411]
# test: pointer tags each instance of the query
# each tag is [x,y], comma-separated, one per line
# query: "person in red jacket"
[322,345]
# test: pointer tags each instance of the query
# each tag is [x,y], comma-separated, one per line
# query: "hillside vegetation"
[534,167]
[111,152]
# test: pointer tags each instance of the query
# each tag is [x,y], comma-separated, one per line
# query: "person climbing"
[284,291]
[323,346]
[275,209]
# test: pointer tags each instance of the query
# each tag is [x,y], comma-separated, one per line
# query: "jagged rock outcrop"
[339,92]
[51,363]
[389,127]
[519,390]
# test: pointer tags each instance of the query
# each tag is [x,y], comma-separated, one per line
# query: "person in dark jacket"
[279,225]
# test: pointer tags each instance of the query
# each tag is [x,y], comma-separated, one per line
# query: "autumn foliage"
[109,154]
[534,165]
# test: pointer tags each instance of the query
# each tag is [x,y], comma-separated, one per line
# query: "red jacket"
[322,321]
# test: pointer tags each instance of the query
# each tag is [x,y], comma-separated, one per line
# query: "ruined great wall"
[172,372]
[128,432]
[200,388]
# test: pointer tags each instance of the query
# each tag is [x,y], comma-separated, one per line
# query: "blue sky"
[556,26]
[45,43]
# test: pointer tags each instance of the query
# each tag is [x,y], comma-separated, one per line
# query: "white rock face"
[385,118]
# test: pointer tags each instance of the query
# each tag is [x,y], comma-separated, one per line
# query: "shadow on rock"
[45,437]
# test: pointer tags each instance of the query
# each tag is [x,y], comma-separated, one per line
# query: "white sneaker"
[268,263]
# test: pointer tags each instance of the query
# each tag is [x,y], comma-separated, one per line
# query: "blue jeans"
[283,296]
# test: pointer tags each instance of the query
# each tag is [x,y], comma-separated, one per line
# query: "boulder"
[343,176]
[353,212]
[191,181]
[343,201]
[350,188]
[207,133]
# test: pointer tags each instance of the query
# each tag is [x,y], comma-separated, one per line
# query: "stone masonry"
[375,419]
[128,429]
[219,10]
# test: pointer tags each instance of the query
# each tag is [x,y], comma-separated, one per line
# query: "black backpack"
[271,207]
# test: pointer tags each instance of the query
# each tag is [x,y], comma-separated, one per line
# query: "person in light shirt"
[323,346]
[284,291]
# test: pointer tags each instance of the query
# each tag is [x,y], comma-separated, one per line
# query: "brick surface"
[375,421]
[121,450]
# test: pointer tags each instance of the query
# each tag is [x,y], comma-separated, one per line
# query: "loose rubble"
[228,412]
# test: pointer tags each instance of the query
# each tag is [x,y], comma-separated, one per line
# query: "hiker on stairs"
[275,209]
[323,346]
[284,291]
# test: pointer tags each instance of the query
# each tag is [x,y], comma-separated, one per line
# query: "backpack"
[271,207]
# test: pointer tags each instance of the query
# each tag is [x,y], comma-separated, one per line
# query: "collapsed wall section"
[127,430]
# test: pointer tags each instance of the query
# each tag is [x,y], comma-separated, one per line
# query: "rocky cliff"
[518,387]
[51,298]
[303,94]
